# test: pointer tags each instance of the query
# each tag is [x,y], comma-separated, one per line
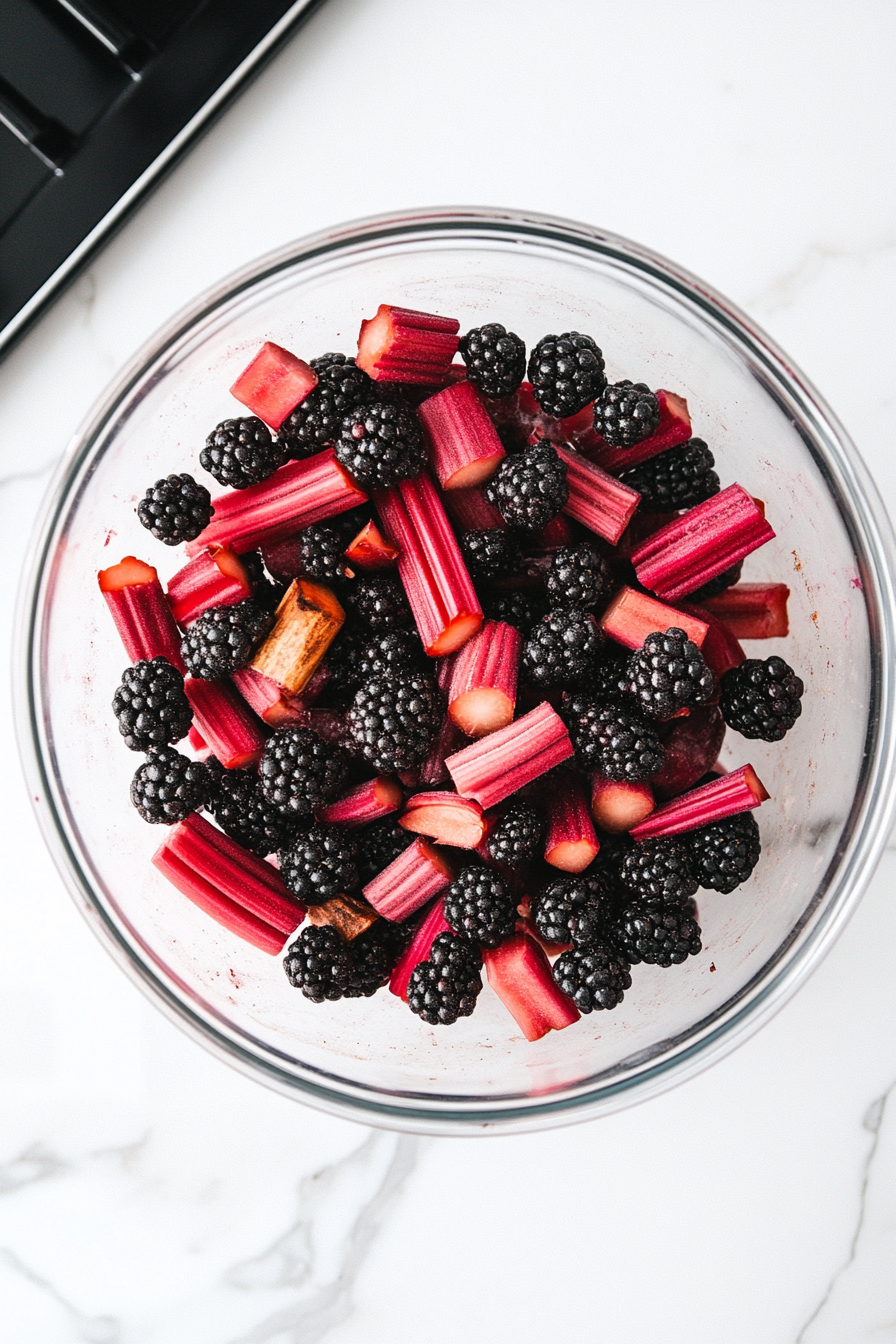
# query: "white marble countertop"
[149,1195]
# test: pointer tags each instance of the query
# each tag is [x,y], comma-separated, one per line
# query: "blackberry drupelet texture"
[492,553]
[566,373]
[320,864]
[594,979]
[479,906]
[240,808]
[517,608]
[395,653]
[658,872]
[611,739]
[321,550]
[316,421]
[381,443]
[724,854]
[150,705]
[167,787]
[495,359]
[175,509]
[319,963]
[394,718]
[609,681]
[660,935]
[380,603]
[240,453]
[221,640]
[516,835]
[379,844]
[373,954]
[446,986]
[578,577]
[679,478]
[300,772]
[562,648]
[668,674]
[761,698]
[575,909]
[626,413]
[529,488]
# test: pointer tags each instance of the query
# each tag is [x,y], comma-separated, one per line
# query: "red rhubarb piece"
[738,792]
[520,974]
[367,802]
[446,818]
[642,526]
[559,532]
[463,442]
[752,610]
[274,384]
[597,500]
[434,770]
[482,687]
[213,903]
[720,649]
[269,701]
[226,722]
[495,767]
[571,843]
[432,923]
[409,881]
[198,743]
[141,612]
[371,550]
[632,616]
[214,578]
[618,806]
[400,345]
[471,511]
[690,749]
[674,428]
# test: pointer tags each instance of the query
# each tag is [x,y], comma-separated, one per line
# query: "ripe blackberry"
[380,603]
[679,478]
[578,577]
[167,787]
[626,413]
[761,698]
[574,909]
[300,772]
[726,579]
[566,372]
[724,854]
[240,808]
[221,640]
[594,979]
[381,443]
[609,681]
[373,955]
[493,553]
[609,861]
[446,986]
[519,609]
[322,549]
[320,864]
[317,420]
[319,963]
[612,739]
[240,453]
[668,674]
[392,654]
[343,656]
[529,488]
[516,836]
[175,509]
[150,705]
[393,720]
[479,906]
[562,648]
[658,872]
[495,359]
[379,845]
[660,935]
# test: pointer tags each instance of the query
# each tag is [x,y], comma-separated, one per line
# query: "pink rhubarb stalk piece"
[226,722]
[215,904]
[720,649]
[471,511]
[674,428]
[367,802]
[632,616]
[214,578]
[597,500]
[198,743]
[618,806]
[297,495]
[738,792]
[520,974]
[463,442]
[434,770]
[482,688]
[400,345]
[370,549]
[432,923]
[409,881]
[571,843]
[269,700]
[702,543]
[446,818]
[141,612]
[752,610]
[558,532]
[431,567]
[274,384]
[495,767]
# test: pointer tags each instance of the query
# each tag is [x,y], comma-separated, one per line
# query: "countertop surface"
[149,1195]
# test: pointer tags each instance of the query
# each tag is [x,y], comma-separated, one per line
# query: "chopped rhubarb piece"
[409,881]
[752,610]
[571,843]
[198,743]
[642,526]
[482,689]
[702,543]
[720,649]
[597,500]
[308,620]
[366,802]
[690,749]
[214,578]
[674,428]
[431,567]
[432,923]
[348,915]
[226,722]
[371,550]
[274,384]
[471,511]
[495,767]
[269,700]
[520,974]
[141,612]
[434,770]
[446,818]
[618,806]
[283,559]
[559,532]
[297,495]
[400,345]
[212,902]
[463,442]
[738,792]
[632,616]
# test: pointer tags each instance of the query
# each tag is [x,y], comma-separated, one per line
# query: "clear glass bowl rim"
[864,836]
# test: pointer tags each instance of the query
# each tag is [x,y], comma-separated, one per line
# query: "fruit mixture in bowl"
[453,656]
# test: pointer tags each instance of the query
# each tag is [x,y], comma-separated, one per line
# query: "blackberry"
[319,963]
[663,935]
[609,681]
[446,986]
[167,787]
[240,453]
[529,488]
[379,845]
[300,772]
[626,413]
[495,359]
[393,720]
[724,854]
[519,609]
[566,372]
[392,654]
[678,478]
[658,872]
[221,640]
[373,954]
[609,861]
[562,648]
[493,553]
[341,386]
[516,836]
[574,909]
[381,443]
[761,698]
[320,864]
[343,656]
[175,509]
[612,739]
[240,808]
[479,906]
[726,579]
[594,979]
[380,603]
[322,549]
[150,705]
[578,577]
[668,674]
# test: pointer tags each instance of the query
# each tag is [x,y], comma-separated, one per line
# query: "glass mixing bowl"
[831,780]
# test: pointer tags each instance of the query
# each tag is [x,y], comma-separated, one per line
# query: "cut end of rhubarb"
[370,549]
[617,807]
[632,616]
[445,818]
[520,974]
[274,384]
[404,346]
[128,573]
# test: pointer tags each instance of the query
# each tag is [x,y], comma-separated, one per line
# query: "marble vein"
[784,289]
[90,1329]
